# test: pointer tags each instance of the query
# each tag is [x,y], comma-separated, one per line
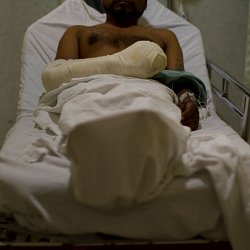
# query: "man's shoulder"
[156,30]
[76,28]
[163,30]
[165,33]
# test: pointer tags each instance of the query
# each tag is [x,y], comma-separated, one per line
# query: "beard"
[122,14]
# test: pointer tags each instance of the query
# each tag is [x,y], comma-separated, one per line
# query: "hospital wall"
[247,68]
[15,17]
[223,25]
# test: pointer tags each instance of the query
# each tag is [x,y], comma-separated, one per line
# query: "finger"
[192,124]
[190,116]
[189,110]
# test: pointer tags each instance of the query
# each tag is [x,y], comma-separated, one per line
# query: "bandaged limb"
[143,59]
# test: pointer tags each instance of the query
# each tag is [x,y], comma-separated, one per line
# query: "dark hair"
[96,4]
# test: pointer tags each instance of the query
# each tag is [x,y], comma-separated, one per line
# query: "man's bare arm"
[173,51]
[68,47]
[189,107]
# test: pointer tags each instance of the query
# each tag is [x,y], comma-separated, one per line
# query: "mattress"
[36,192]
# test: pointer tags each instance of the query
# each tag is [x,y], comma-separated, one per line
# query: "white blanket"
[102,105]
[229,170]
[123,136]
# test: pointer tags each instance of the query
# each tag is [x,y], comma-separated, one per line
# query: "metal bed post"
[170,4]
[223,94]
[246,119]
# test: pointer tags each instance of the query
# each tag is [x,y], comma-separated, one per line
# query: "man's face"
[125,8]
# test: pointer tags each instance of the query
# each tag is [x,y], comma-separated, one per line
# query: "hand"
[189,109]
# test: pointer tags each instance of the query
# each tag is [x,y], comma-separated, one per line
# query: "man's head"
[124,12]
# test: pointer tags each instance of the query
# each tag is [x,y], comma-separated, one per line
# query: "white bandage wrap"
[187,94]
[143,59]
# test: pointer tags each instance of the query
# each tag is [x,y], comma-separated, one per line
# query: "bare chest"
[98,42]
[118,40]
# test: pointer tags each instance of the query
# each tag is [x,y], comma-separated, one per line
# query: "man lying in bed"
[119,32]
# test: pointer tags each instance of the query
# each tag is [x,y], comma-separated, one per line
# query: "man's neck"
[121,23]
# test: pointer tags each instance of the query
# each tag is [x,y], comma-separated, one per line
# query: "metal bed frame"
[224,87]
[12,238]
[9,239]
[137,246]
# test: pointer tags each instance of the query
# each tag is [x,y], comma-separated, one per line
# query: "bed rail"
[222,87]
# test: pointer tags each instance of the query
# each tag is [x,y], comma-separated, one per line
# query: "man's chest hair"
[121,38]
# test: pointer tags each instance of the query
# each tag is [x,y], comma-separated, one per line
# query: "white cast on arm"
[143,59]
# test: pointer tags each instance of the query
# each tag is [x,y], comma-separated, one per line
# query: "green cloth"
[178,80]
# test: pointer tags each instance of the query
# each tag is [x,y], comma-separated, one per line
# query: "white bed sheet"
[37,194]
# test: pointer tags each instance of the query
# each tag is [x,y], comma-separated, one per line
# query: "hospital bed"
[207,209]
